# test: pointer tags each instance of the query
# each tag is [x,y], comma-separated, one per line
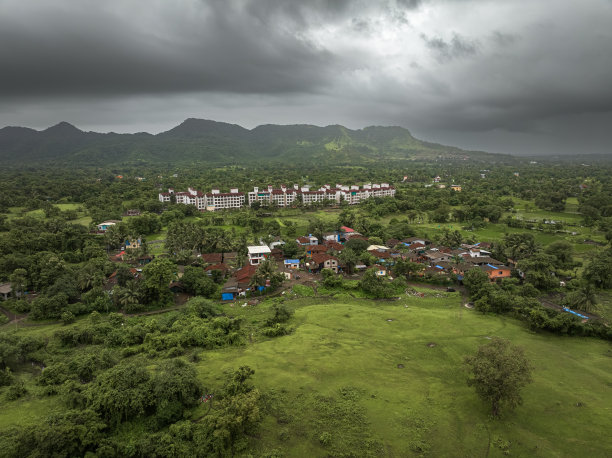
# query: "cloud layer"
[515,76]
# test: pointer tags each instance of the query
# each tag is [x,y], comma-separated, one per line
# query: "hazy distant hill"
[200,140]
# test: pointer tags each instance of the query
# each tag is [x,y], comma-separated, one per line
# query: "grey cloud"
[503,39]
[89,51]
[457,47]
[432,67]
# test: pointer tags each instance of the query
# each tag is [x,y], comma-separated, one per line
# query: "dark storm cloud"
[93,50]
[464,70]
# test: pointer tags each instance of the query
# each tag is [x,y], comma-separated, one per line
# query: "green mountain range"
[218,143]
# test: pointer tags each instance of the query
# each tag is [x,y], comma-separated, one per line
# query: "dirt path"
[13,318]
[559,308]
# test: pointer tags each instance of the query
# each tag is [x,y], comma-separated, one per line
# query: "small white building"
[257,254]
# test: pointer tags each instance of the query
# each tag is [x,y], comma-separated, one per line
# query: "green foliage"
[499,371]
[599,270]
[197,282]
[71,433]
[304,291]
[538,270]
[202,308]
[376,286]
[68,317]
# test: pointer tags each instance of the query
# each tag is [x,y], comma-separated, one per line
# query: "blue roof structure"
[292,261]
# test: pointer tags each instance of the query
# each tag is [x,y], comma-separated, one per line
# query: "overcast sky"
[512,76]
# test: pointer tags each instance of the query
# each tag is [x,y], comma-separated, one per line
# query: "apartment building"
[216,200]
[283,196]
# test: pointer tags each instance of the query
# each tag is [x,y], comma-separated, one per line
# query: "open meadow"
[374,378]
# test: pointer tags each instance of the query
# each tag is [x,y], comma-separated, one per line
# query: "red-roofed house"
[323,261]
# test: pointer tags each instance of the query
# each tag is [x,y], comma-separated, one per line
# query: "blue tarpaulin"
[227,296]
[575,313]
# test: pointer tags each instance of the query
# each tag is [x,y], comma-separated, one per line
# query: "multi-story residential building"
[258,254]
[217,200]
[283,197]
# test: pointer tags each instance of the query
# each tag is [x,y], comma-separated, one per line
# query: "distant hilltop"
[206,141]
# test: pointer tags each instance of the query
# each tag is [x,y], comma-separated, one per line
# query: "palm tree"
[583,298]
[128,295]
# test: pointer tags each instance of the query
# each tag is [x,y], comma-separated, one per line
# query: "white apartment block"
[216,200]
[283,196]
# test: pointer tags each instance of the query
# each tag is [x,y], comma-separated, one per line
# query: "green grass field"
[353,348]
[386,379]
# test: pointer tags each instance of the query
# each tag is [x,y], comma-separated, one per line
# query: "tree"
[19,281]
[582,298]
[291,249]
[499,370]
[474,280]
[599,270]
[157,277]
[538,270]
[520,246]
[562,252]
[349,258]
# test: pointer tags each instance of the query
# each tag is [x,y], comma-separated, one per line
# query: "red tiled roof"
[211,257]
[221,266]
[245,273]
[320,258]
[333,245]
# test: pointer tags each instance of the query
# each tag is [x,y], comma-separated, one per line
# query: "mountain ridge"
[219,143]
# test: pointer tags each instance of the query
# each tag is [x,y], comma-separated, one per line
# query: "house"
[331,237]
[5,291]
[133,244]
[277,254]
[496,272]
[103,227]
[381,271]
[323,261]
[230,290]
[312,249]
[258,253]
[276,243]
[243,277]
[437,256]
[132,212]
[334,247]
[223,268]
[378,248]
[212,258]
[291,263]
[412,240]
[307,240]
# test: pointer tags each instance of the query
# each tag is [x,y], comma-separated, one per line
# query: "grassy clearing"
[386,379]
[353,348]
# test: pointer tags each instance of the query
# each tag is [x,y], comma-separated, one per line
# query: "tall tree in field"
[157,277]
[499,370]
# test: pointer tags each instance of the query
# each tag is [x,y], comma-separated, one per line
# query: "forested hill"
[211,142]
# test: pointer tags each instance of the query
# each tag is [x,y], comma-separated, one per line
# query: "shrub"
[68,317]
